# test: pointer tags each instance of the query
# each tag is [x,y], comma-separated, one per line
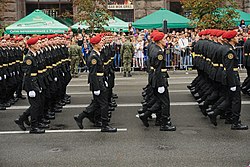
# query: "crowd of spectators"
[178,47]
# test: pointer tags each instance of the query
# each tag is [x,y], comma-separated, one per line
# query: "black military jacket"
[246,59]
[31,69]
[230,62]
[158,65]
[96,72]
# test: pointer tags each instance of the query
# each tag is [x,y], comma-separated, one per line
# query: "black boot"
[107,128]
[166,125]
[238,126]
[43,125]
[35,129]
[129,74]
[114,96]
[2,107]
[20,123]
[144,118]
[79,118]
[212,116]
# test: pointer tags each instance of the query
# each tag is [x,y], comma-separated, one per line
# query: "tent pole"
[38,5]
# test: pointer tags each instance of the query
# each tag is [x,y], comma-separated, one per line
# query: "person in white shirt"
[183,44]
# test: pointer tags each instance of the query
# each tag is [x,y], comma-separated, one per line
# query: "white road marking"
[90,93]
[60,131]
[131,84]
[119,105]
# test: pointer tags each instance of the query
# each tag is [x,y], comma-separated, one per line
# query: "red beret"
[200,33]
[158,36]
[229,34]
[153,33]
[220,33]
[50,36]
[213,32]
[19,38]
[95,39]
[32,41]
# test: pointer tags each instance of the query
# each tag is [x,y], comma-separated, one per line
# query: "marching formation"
[217,86]
[43,72]
[44,65]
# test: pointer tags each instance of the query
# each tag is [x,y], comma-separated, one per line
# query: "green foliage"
[218,14]
[94,12]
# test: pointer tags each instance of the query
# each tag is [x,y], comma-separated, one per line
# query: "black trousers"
[164,101]
[235,99]
[101,104]
[34,109]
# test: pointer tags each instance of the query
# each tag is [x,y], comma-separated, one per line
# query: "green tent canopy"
[81,25]
[36,23]
[243,16]
[155,20]
[114,25]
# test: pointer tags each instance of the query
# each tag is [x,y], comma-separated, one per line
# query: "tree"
[94,12]
[218,14]
[2,10]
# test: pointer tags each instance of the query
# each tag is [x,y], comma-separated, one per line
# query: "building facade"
[127,10]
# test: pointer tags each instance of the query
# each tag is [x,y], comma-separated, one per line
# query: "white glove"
[14,73]
[17,72]
[55,79]
[233,88]
[32,93]
[161,89]
[97,93]
[5,76]
[106,84]
[1,78]
[63,74]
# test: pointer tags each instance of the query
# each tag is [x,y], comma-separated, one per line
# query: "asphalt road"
[196,143]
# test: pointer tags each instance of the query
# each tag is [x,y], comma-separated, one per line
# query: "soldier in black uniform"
[98,86]
[245,87]
[2,75]
[32,88]
[159,83]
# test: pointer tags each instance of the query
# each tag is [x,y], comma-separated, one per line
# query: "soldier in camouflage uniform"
[75,53]
[127,51]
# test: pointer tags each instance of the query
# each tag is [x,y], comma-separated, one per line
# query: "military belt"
[40,71]
[5,65]
[44,70]
[221,65]
[18,61]
[234,69]
[112,58]
[246,54]
[100,74]
[215,65]
[162,70]
[1,66]
[208,59]
[106,63]
[54,65]
[33,74]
